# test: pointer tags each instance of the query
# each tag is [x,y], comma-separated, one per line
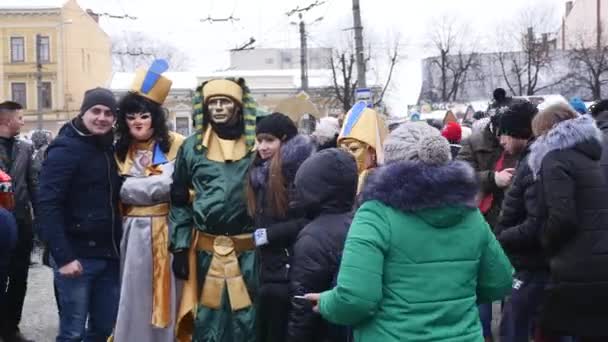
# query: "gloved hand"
[260,237]
[180,264]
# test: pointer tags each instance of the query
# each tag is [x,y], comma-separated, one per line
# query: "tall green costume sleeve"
[181,214]
[352,300]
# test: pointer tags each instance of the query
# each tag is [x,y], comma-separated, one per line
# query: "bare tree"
[455,56]
[529,57]
[344,81]
[131,50]
[589,66]
[342,64]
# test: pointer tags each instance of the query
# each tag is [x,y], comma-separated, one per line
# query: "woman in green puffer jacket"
[419,255]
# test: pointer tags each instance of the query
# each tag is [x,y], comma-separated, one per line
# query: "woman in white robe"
[145,153]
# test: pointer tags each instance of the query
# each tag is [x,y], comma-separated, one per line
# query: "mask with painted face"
[363,153]
[225,117]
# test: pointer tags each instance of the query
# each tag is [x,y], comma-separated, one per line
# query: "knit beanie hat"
[416,141]
[278,125]
[98,96]
[578,105]
[453,132]
[516,121]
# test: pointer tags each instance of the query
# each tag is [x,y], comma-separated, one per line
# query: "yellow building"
[75,55]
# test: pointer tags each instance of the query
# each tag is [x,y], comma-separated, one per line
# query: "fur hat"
[516,121]
[417,141]
[278,125]
[327,129]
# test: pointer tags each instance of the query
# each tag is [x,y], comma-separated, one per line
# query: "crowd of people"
[254,229]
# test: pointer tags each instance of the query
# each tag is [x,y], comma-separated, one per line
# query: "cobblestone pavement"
[40,320]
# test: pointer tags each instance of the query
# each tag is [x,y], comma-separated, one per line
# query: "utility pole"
[39,80]
[599,27]
[360,58]
[303,55]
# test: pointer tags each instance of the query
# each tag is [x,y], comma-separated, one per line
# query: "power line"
[305,9]
[209,19]
[132,53]
[245,46]
[112,16]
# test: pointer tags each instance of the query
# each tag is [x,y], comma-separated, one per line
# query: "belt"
[146,211]
[224,270]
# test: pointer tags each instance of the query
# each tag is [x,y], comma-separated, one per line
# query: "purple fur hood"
[411,185]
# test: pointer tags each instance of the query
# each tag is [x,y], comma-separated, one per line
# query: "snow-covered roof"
[276,78]
[32,4]
[181,80]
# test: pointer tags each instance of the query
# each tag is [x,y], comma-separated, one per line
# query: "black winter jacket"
[326,186]
[482,151]
[77,213]
[518,229]
[275,257]
[574,210]
[20,168]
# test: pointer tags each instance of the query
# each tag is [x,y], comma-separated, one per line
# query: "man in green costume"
[211,238]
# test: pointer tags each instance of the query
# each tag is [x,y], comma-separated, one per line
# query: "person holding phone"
[326,187]
[495,168]
[270,202]
[419,255]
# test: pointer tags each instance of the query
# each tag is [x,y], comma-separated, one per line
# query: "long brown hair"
[276,190]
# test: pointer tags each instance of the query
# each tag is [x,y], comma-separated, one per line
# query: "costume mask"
[140,126]
[222,109]
[363,153]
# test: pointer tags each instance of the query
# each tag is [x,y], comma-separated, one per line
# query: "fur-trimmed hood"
[293,153]
[565,134]
[412,186]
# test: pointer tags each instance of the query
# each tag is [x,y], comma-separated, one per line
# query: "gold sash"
[161,281]
[223,271]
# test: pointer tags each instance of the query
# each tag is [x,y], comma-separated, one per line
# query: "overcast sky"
[207,44]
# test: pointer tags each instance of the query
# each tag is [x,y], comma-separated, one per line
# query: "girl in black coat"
[326,186]
[574,210]
[281,151]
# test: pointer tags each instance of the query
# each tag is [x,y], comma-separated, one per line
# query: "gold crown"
[222,88]
[158,93]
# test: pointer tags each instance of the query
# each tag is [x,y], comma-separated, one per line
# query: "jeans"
[522,308]
[89,302]
[485,315]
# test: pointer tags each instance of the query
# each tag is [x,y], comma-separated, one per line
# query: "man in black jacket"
[16,160]
[518,228]
[326,186]
[78,218]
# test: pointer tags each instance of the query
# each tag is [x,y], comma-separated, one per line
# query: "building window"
[17,49]
[18,93]
[45,50]
[47,95]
